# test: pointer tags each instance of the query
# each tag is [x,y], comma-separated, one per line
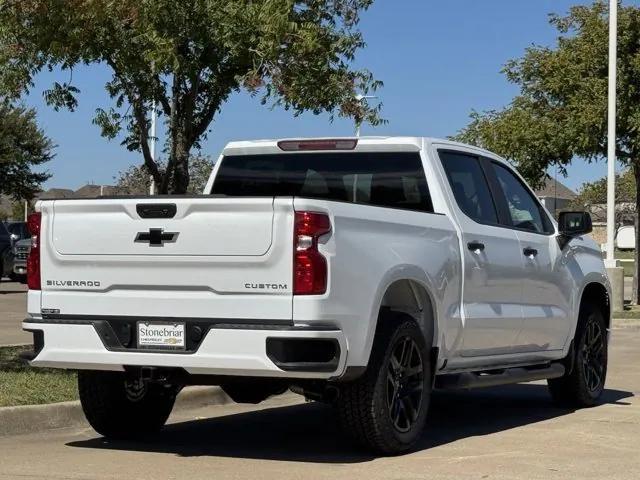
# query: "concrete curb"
[37,418]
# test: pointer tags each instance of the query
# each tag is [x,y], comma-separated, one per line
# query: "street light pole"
[615,273]
[611,136]
[360,98]
[152,147]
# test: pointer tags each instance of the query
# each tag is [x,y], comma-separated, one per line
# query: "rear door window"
[469,185]
[384,179]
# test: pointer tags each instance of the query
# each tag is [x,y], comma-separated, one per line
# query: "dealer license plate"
[161,335]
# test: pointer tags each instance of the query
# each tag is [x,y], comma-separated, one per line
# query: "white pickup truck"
[361,272]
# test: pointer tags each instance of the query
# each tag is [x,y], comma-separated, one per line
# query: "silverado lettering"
[73,283]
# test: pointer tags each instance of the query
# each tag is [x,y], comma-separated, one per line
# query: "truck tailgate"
[168,257]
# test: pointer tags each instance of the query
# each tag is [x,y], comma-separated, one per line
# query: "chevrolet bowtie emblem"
[156,237]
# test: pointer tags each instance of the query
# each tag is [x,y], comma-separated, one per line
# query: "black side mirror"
[572,224]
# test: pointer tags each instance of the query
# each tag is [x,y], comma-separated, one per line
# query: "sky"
[438,59]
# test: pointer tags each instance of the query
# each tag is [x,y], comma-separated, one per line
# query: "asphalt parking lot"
[510,432]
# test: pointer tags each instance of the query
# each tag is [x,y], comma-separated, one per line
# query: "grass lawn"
[630,311]
[626,254]
[628,266]
[22,385]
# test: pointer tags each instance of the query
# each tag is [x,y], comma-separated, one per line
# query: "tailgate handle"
[156,210]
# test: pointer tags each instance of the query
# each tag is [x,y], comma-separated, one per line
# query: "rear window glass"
[394,180]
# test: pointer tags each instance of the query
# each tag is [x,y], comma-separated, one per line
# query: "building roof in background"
[89,190]
[86,191]
[554,189]
[55,193]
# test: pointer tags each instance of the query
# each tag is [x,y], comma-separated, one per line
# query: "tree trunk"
[176,177]
[635,293]
[181,171]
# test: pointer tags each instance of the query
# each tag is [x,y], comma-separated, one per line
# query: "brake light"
[33,260]
[309,265]
[328,144]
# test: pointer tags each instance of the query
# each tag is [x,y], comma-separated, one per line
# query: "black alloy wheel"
[405,382]
[593,356]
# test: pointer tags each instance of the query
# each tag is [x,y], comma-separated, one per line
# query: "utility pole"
[615,273]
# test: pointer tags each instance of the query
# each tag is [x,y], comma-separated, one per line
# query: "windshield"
[386,179]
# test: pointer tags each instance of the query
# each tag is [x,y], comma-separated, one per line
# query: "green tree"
[135,180]
[22,146]
[17,210]
[188,57]
[596,192]
[561,110]
[593,197]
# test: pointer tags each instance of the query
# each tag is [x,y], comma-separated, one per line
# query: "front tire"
[119,407]
[385,410]
[583,386]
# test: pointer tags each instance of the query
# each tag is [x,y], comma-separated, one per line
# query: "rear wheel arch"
[412,298]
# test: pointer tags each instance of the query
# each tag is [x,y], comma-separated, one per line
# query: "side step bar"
[494,378]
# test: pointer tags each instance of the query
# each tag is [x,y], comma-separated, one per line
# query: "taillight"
[33,260]
[309,266]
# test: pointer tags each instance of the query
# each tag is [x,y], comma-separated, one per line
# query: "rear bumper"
[233,350]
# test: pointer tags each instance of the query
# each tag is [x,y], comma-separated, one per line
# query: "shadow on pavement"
[308,432]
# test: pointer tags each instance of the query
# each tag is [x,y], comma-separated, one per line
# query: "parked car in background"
[6,253]
[21,250]
[18,230]
[626,238]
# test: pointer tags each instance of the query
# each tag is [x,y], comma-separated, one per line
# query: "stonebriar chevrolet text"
[359,272]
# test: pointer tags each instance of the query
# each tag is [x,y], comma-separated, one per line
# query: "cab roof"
[364,144]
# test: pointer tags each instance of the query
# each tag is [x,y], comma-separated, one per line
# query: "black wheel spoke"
[410,409]
[598,349]
[395,364]
[414,387]
[593,355]
[405,383]
[415,370]
[404,354]
[595,376]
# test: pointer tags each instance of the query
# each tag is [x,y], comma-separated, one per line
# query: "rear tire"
[118,407]
[386,408]
[583,386]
